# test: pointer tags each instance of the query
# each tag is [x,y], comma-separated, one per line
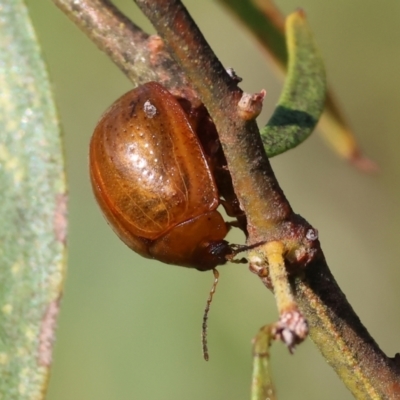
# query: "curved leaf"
[303,97]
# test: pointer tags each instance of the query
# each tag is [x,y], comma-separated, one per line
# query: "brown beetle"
[153,183]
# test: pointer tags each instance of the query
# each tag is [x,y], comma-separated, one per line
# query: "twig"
[342,338]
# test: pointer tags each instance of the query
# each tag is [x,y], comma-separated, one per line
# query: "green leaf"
[302,100]
[32,210]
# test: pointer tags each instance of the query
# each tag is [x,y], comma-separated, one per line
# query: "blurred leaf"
[32,212]
[303,97]
[266,23]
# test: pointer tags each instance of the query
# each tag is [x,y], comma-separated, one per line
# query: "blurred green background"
[129,327]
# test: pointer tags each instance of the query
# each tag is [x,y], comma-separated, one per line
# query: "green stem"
[342,338]
[262,387]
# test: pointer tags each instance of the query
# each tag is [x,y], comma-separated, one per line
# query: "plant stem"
[341,337]
[262,387]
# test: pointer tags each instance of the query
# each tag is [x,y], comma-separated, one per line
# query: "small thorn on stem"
[396,360]
[205,316]
[231,72]
[250,105]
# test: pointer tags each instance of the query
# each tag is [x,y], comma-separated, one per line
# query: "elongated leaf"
[32,210]
[303,97]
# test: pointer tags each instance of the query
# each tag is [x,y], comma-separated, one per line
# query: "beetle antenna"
[205,316]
